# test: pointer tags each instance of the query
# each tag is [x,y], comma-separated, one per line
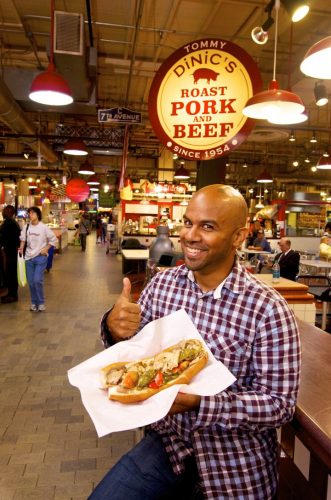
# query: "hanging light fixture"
[86,168]
[265,177]
[298,9]
[259,34]
[274,103]
[93,181]
[75,147]
[260,196]
[321,96]
[181,173]
[292,137]
[50,87]
[324,163]
[316,62]
[289,119]
[313,138]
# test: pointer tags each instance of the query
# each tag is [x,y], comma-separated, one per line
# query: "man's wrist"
[105,333]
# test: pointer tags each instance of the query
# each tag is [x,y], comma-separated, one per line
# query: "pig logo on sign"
[205,74]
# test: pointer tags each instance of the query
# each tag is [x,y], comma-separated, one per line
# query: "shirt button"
[200,302]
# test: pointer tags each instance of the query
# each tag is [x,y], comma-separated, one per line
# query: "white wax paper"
[112,416]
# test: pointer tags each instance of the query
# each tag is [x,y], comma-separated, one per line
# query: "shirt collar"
[235,281]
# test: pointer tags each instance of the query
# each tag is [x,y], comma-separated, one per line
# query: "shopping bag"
[21,273]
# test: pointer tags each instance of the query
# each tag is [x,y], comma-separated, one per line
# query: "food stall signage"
[118,115]
[197,97]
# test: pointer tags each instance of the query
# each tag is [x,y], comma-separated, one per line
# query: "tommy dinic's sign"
[197,96]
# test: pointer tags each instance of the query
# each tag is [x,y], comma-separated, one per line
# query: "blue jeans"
[145,473]
[35,269]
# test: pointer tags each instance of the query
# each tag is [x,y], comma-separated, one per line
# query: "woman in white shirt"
[38,238]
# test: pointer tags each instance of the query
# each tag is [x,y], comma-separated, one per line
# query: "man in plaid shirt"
[223,446]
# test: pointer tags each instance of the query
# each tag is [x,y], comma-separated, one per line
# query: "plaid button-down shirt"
[251,329]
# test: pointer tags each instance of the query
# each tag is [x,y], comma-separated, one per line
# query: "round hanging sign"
[77,190]
[197,96]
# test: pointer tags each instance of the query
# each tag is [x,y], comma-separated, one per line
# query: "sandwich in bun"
[133,381]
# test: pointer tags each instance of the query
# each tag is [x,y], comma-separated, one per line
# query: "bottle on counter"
[275,273]
[162,243]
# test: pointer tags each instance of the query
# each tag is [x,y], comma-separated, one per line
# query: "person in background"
[252,235]
[10,241]
[38,238]
[288,260]
[221,446]
[260,243]
[98,229]
[84,229]
[325,243]
[104,221]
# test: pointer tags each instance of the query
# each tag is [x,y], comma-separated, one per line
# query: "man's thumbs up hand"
[124,319]
[126,290]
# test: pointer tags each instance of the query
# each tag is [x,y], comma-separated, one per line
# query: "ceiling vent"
[70,54]
[68,33]
[267,135]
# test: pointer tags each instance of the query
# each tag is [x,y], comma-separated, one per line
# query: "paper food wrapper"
[112,416]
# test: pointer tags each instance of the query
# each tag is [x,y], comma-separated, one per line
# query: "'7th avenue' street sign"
[118,115]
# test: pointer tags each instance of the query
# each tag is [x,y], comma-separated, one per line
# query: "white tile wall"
[301,457]
[306,312]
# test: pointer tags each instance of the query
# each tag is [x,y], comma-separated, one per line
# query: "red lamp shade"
[265,177]
[77,190]
[324,163]
[50,88]
[316,62]
[75,147]
[273,103]
[93,181]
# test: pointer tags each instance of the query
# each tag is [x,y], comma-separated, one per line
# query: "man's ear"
[239,237]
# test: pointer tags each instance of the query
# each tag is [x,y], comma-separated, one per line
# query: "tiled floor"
[49,448]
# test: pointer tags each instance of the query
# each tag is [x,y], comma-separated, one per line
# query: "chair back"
[314,280]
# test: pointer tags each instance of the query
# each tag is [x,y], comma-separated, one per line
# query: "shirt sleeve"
[50,236]
[272,384]
[23,233]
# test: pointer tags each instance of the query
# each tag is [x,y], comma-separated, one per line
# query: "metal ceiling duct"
[70,56]
[14,118]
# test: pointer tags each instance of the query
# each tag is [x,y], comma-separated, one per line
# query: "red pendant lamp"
[50,87]
[316,62]
[75,147]
[274,103]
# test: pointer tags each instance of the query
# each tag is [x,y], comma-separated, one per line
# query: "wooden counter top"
[292,291]
[313,411]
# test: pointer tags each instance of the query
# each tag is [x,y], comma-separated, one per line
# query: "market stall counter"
[61,232]
[296,294]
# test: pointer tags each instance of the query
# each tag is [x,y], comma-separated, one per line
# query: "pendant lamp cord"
[290,59]
[52,32]
[277,3]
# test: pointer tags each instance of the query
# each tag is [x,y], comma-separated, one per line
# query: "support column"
[211,172]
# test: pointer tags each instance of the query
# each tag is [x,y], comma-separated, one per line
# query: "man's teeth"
[193,251]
